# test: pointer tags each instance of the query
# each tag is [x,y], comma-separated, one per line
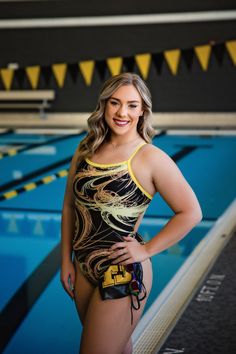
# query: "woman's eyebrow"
[114,98]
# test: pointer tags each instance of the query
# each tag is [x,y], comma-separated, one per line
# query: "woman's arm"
[67,231]
[174,189]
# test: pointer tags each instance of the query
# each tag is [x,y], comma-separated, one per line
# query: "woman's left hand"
[127,252]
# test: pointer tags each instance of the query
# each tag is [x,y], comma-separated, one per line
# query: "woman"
[113,176]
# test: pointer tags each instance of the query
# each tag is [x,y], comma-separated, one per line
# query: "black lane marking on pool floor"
[35,145]
[208,324]
[198,145]
[183,152]
[36,283]
[36,173]
[21,303]
[31,176]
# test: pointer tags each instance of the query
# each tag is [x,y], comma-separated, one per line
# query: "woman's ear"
[142,113]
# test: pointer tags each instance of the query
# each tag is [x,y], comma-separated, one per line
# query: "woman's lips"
[121,123]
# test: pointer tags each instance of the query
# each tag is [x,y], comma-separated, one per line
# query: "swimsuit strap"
[132,174]
[135,151]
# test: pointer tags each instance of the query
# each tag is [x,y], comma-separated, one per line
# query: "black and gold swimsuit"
[108,202]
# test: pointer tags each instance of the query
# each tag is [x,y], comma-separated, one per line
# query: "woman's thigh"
[83,291]
[107,325]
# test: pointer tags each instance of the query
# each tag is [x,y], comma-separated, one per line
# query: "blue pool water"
[30,232]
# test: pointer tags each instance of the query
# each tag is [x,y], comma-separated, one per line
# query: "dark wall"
[49,45]
[46,46]
[191,90]
[54,8]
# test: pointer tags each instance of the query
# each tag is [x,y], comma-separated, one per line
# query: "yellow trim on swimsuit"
[132,174]
[126,162]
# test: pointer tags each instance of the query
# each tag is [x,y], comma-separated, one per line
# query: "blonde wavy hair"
[98,129]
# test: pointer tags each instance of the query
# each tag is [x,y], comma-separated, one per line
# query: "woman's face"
[123,110]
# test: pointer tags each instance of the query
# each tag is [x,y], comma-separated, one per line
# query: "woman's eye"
[114,103]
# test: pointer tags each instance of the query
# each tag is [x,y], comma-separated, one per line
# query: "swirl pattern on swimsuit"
[108,202]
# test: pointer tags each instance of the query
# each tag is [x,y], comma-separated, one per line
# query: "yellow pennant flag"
[87,69]
[59,71]
[172,58]
[143,62]
[33,73]
[115,65]
[203,53]
[231,47]
[7,77]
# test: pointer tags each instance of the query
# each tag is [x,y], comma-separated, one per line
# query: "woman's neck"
[117,141]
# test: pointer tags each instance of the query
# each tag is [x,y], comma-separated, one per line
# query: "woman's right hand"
[68,277]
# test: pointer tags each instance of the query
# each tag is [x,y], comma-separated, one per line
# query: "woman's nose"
[122,111]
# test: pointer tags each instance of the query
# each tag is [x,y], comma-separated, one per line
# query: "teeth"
[121,122]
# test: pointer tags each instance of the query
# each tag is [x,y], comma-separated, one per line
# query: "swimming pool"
[36,314]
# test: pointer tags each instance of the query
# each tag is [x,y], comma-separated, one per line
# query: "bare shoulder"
[169,180]
[153,154]
[159,163]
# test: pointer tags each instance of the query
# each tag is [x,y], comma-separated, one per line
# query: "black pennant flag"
[188,55]
[74,71]
[46,73]
[20,77]
[101,68]
[219,51]
[129,63]
[158,59]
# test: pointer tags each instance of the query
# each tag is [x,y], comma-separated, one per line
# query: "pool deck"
[208,325]
[195,313]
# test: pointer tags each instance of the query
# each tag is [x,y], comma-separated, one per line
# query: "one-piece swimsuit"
[108,202]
